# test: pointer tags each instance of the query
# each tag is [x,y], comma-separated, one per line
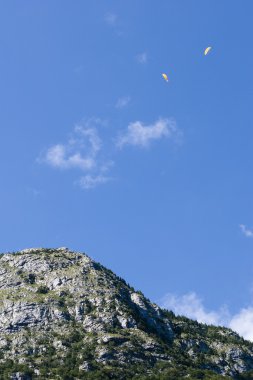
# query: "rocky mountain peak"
[40,249]
[63,314]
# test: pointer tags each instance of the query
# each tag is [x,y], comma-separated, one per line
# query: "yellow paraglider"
[207,50]
[165,77]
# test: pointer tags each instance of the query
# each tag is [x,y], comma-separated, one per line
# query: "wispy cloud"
[90,182]
[85,150]
[122,102]
[142,135]
[106,166]
[33,191]
[91,134]
[142,58]
[59,156]
[110,18]
[246,231]
[81,151]
[191,306]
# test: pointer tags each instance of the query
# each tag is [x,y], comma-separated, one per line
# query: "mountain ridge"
[65,316]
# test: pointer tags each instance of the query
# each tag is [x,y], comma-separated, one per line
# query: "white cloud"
[111,18]
[81,151]
[142,58]
[90,182]
[84,150]
[123,102]
[247,232]
[106,166]
[58,157]
[92,136]
[243,323]
[140,135]
[191,306]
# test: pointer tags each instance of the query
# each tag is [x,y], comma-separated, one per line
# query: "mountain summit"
[65,316]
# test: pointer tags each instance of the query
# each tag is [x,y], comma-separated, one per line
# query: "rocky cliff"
[64,316]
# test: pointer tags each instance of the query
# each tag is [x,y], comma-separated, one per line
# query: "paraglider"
[165,77]
[207,50]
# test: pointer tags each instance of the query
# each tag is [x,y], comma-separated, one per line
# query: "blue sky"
[100,154]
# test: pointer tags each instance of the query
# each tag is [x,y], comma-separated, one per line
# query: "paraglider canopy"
[207,50]
[165,77]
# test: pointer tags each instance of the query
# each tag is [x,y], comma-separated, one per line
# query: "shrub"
[43,289]
[30,279]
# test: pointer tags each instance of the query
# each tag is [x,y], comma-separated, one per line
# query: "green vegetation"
[82,322]
[43,289]
[68,369]
[30,278]
[245,376]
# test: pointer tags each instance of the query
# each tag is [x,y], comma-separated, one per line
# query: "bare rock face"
[56,304]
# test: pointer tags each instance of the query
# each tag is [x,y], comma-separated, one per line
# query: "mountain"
[65,316]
